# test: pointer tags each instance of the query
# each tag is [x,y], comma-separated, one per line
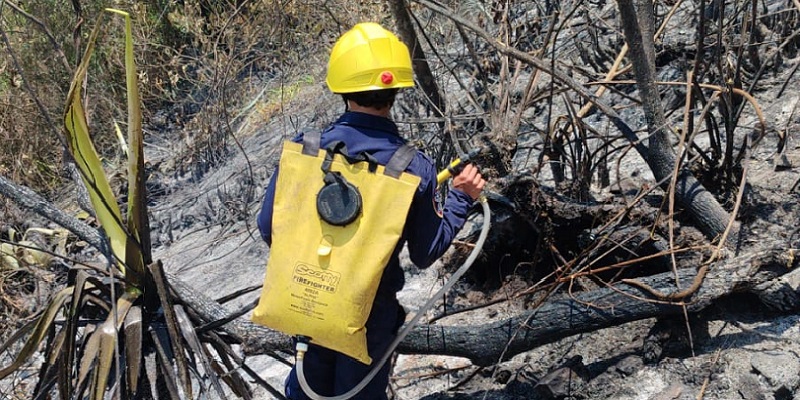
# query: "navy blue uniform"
[429,231]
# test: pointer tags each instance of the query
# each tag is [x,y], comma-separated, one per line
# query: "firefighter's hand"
[469,181]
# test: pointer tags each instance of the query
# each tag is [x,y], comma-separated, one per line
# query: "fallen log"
[764,273]
[567,315]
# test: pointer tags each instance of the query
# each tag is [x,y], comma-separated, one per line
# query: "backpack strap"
[338,147]
[311,142]
[399,161]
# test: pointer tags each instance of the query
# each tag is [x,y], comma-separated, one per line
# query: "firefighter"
[368,66]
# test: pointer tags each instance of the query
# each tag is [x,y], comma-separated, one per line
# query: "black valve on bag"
[339,202]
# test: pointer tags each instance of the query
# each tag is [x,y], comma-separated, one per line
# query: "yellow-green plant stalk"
[138,225]
[130,241]
[80,145]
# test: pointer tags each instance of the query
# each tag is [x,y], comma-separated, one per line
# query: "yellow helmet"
[368,57]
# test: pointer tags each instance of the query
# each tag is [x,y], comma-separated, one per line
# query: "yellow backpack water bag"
[336,221]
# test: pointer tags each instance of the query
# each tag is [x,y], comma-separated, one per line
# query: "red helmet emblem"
[386,77]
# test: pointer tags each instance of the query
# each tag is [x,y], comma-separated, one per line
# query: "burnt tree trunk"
[637,23]
[422,70]
[589,311]
[27,198]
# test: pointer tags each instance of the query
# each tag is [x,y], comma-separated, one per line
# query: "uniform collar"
[368,122]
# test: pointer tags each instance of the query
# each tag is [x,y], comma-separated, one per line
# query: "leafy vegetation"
[120,333]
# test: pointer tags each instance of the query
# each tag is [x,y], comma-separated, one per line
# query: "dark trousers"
[331,374]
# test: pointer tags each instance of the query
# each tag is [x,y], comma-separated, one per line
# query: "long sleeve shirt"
[429,228]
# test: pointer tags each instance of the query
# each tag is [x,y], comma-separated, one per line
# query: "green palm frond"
[79,144]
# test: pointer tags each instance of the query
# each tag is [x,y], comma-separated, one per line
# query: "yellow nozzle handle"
[448,172]
[451,168]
